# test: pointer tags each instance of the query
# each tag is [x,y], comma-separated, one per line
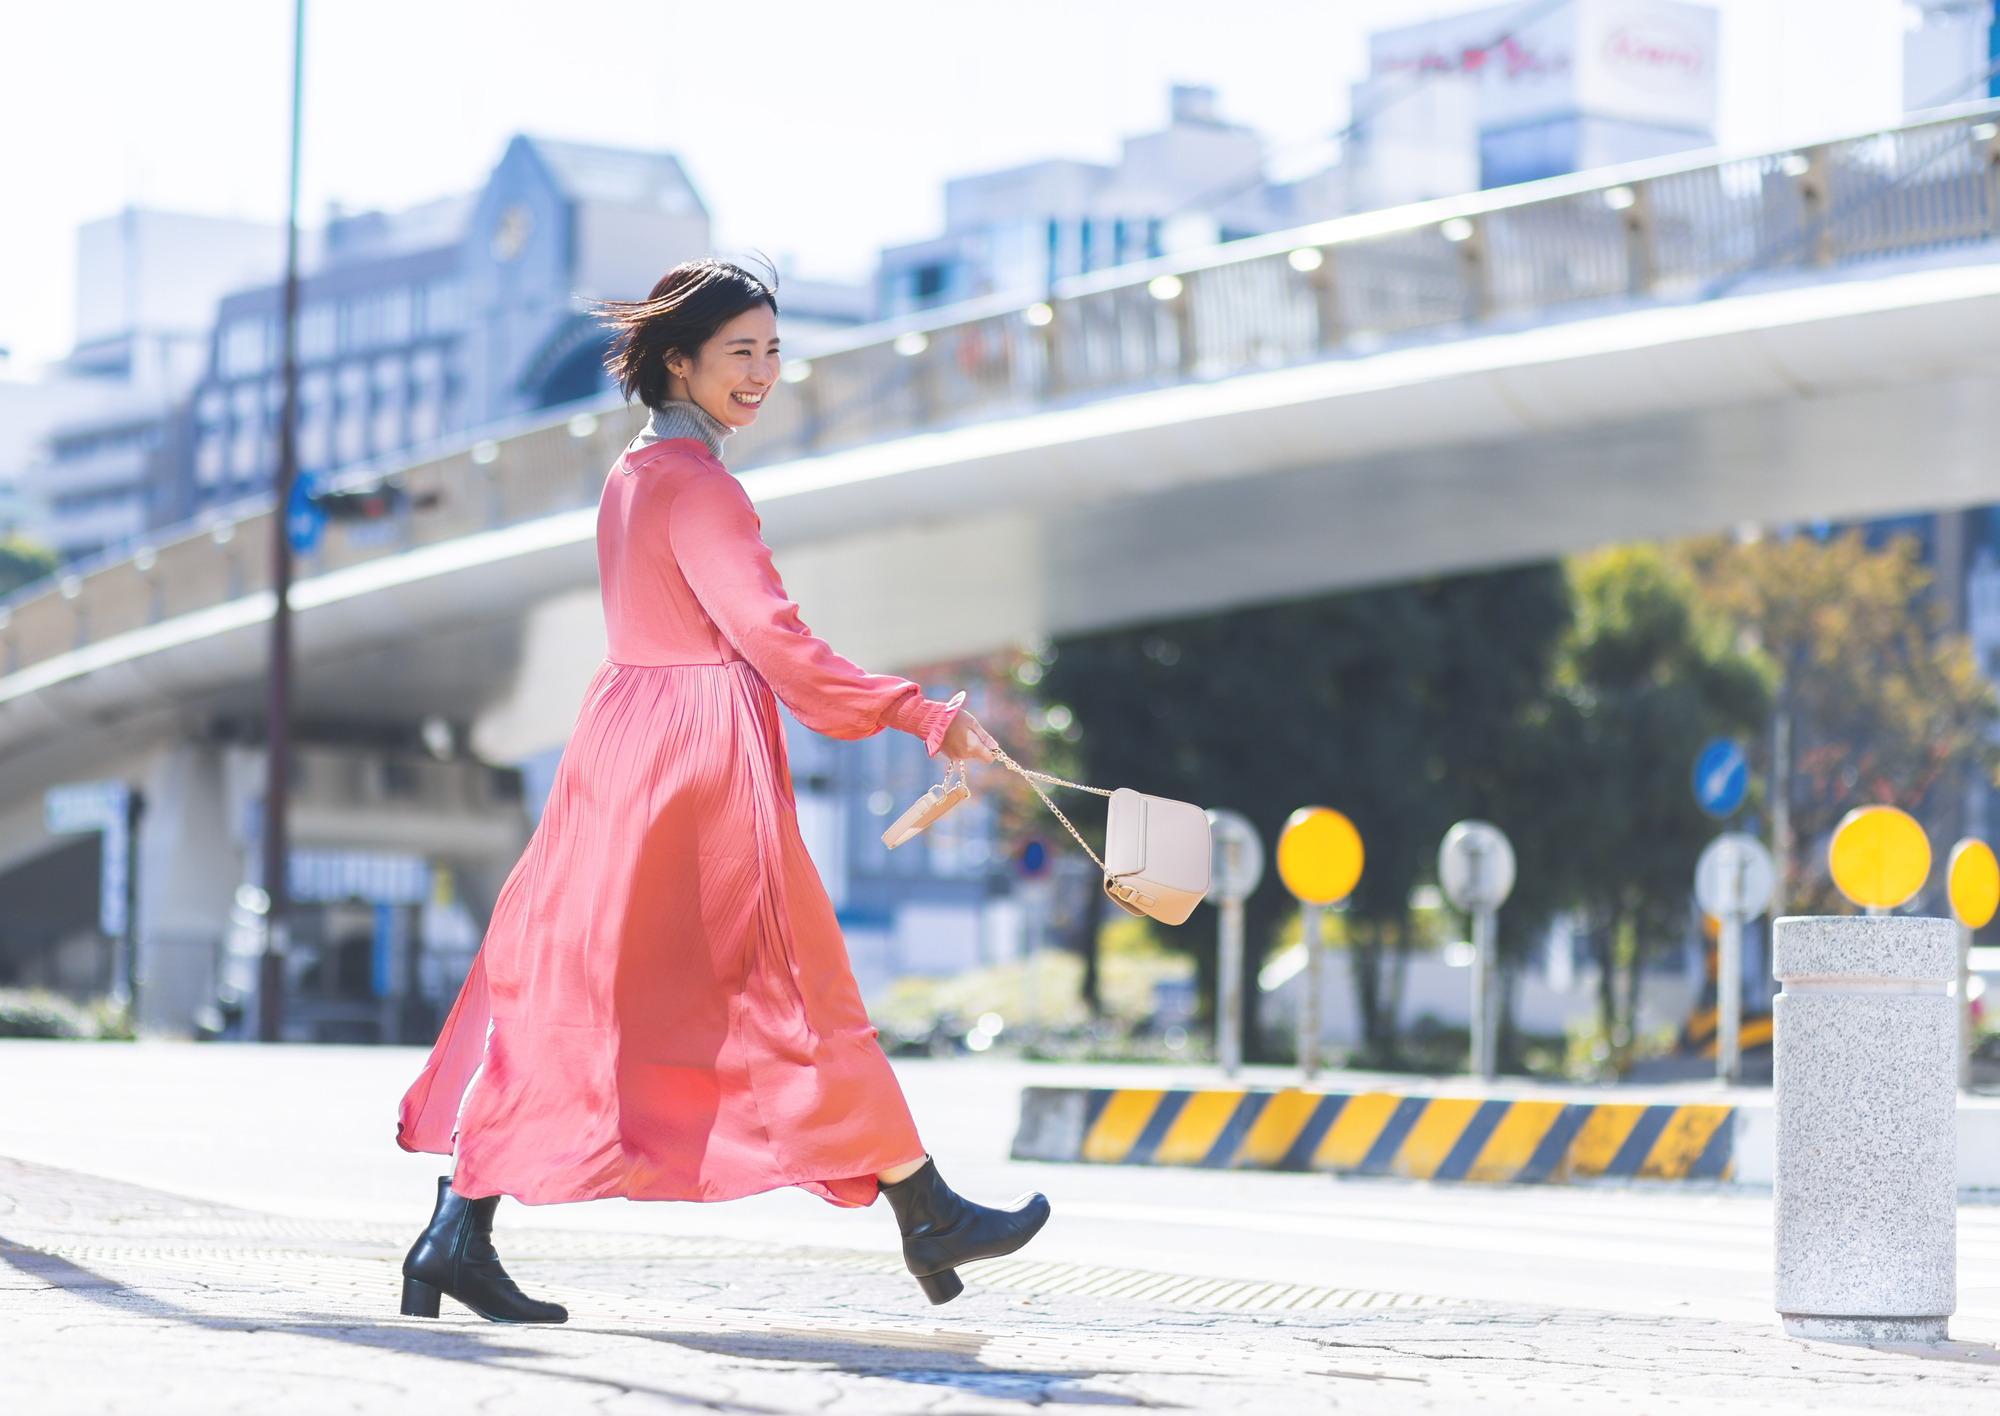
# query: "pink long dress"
[663,1007]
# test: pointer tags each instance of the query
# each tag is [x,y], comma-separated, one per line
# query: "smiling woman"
[707,335]
[663,1007]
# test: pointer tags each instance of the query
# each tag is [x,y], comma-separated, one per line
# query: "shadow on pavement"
[442,1343]
[955,1364]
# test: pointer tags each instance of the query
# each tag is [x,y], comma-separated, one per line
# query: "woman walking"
[663,1008]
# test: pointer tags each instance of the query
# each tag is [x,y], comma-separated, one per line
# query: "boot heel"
[941,1287]
[420,1300]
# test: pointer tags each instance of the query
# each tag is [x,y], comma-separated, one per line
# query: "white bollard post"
[1865,1053]
[1310,988]
[1729,998]
[1236,866]
[1485,994]
[1476,869]
[1229,986]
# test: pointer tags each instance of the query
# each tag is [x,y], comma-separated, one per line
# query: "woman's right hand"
[967,741]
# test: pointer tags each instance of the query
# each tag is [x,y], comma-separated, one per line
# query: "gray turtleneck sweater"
[678,419]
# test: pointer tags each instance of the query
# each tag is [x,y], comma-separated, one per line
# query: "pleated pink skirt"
[672,1013]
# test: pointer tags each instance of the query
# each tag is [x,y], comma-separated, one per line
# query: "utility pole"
[1781,790]
[278,735]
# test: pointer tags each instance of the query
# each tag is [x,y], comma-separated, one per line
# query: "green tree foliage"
[1643,680]
[22,563]
[1564,705]
[1875,702]
[1406,708]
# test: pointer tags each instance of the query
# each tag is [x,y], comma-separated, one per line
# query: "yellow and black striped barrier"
[1377,1133]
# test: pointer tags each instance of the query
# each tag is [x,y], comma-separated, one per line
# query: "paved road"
[215,1229]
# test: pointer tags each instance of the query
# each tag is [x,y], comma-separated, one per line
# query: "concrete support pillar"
[189,867]
[1865,1087]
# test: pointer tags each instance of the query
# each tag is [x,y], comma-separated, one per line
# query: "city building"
[100,429]
[1519,92]
[456,314]
[1951,53]
[1198,181]
[1484,99]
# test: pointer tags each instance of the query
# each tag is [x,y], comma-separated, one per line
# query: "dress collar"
[679,419]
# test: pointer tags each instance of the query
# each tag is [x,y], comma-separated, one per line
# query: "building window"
[318,327]
[351,426]
[928,281]
[247,406]
[426,395]
[394,316]
[245,347]
[243,452]
[315,420]
[391,387]
[209,457]
[443,307]
[384,317]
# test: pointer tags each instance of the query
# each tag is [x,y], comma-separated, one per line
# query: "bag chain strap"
[1035,779]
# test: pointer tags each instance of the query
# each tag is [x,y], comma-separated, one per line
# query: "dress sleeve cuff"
[921,717]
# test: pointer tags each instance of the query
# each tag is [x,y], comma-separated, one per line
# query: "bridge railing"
[485,485]
[1675,229]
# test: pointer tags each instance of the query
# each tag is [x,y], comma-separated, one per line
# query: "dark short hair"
[688,305]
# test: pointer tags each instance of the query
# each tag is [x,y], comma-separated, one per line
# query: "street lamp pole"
[278,735]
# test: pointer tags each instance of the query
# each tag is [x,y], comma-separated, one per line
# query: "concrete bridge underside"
[1857,399]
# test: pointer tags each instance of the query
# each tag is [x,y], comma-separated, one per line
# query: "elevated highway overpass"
[1663,349]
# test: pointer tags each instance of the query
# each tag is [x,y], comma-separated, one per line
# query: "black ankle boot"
[941,1230]
[456,1256]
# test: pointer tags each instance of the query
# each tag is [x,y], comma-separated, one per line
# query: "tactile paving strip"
[376,1275]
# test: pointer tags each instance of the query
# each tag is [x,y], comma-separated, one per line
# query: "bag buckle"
[1129,899]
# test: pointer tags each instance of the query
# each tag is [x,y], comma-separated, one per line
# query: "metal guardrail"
[1671,230]
[481,486]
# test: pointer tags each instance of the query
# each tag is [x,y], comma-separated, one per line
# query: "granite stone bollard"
[1865,1083]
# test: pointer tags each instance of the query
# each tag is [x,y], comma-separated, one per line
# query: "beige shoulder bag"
[1156,850]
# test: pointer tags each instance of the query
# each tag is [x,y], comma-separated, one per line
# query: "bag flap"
[1161,839]
[1179,852]
[1125,833]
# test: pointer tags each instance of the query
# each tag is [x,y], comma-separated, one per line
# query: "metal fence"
[1663,231]
[1672,230]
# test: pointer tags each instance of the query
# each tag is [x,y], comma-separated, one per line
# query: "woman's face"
[733,371]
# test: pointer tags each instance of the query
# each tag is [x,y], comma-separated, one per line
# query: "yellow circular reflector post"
[1973,879]
[1319,859]
[1319,855]
[1880,857]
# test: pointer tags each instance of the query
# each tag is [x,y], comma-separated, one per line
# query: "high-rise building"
[1197,181]
[421,324]
[1519,92]
[1951,53]
[147,283]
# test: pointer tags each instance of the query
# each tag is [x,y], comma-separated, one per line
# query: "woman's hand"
[966,741]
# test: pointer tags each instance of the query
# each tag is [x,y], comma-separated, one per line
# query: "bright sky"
[815,131]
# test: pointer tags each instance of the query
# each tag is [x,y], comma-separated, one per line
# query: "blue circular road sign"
[1721,777]
[305,518]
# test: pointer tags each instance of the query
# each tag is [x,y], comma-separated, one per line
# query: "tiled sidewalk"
[120,1299]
